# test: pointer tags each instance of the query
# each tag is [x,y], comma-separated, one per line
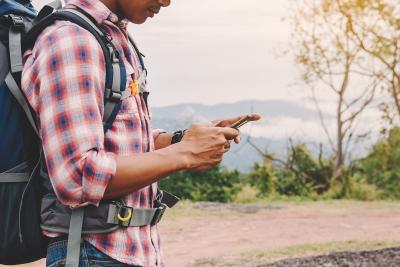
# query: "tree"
[330,61]
[375,27]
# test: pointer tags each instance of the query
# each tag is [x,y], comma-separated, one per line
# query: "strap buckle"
[159,197]
[163,198]
[112,95]
[158,214]
[115,58]
[17,22]
[124,215]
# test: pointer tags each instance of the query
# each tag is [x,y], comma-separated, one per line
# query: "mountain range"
[244,155]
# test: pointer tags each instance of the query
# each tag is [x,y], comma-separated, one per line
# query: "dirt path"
[206,234]
[223,234]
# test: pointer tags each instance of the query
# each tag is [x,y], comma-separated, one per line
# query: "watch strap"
[177,136]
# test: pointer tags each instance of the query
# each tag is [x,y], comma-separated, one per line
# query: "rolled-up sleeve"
[63,79]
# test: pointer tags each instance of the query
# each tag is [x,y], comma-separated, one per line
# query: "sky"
[212,51]
[224,51]
[217,51]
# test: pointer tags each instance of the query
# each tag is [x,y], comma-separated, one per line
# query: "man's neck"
[113,7]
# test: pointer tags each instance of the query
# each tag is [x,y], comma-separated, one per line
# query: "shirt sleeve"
[63,79]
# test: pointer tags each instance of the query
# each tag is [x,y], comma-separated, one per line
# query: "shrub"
[247,194]
[364,192]
[217,184]
[263,178]
[289,184]
[381,167]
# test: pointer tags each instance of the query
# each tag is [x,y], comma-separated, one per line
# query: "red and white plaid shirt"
[64,79]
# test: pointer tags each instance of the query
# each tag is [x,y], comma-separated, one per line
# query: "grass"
[187,209]
[305,250]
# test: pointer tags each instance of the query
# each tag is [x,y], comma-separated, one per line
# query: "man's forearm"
[138,171]
[201,148]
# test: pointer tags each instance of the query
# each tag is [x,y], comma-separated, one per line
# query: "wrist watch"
[177,136]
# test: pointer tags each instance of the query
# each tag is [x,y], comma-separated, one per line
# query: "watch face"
[177,137]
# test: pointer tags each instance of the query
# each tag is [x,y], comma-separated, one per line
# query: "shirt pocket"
[128,116]
[128,106]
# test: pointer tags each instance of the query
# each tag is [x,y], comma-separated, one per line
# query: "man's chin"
[139,20]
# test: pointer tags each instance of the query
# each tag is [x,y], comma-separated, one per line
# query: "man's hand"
[229,121]
[201,148]
[205,144]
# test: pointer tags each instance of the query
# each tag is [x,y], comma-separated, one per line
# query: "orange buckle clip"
[134,87]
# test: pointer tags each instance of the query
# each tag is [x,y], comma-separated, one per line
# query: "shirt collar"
[97,11]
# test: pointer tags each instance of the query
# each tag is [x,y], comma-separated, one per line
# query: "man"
[63,79]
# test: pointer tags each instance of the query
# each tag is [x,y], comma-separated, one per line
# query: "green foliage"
[353,188]
[263,178]
[310,172]
[364,192]
[382,165]
[301,174]
[217,184]
[247,194]
[289,184]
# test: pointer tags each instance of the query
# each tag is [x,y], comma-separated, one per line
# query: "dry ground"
[206,234]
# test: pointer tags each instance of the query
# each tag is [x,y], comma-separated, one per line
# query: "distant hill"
[241,156]
[270,108]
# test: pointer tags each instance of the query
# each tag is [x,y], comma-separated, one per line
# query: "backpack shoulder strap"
[113,95]
[140,55]
[143,75]
[19,96]
[114,91]
[17,27]
[13,27]
[4,66]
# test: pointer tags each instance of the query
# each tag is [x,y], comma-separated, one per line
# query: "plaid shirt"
[63,79]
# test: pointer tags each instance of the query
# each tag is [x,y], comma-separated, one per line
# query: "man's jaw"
[154,10]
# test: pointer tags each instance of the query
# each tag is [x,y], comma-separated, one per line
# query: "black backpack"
[22,171]
[20,193]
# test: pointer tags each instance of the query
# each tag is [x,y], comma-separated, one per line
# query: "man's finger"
[237,139]
[228,122]
[229,132]
[227,144]
[254,117]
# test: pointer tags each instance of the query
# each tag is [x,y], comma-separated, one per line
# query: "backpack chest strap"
[118,215]
[133,217]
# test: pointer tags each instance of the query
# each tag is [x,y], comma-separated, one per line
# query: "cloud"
[215,51]
[288,127]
